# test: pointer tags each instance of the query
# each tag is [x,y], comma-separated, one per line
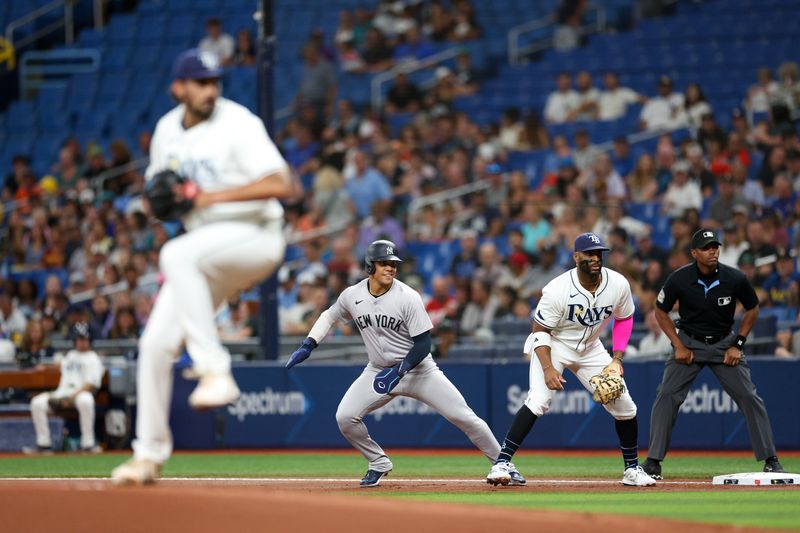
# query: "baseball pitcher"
[396,330]
[574,309]
[226,175]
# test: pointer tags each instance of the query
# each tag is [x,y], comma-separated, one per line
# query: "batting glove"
[387,379]
[302,353]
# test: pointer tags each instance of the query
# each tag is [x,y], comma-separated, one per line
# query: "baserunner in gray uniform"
[397,332]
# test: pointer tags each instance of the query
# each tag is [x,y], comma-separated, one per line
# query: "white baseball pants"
[201,269]
[84,404]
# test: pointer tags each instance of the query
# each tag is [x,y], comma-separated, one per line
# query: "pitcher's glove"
[608,385]
[169,195]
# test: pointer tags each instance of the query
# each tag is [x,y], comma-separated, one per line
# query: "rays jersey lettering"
[575,316]
[378,321]
[229,149]
[387,323]
[78,369]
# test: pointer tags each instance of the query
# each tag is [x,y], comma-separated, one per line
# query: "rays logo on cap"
[594,238]
[209,60]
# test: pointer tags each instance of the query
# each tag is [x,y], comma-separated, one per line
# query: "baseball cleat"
[372,478]
[652,468]
[772,465]
[37,450]
[136,472]
[516,478]
[214,390]
[500,474]
[637,477]
[92,449]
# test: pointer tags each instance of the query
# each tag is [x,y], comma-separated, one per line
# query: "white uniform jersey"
[77,370]
[244,153]
[387,322]
[575,316]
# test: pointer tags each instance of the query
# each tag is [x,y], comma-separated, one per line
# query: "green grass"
[352,465]
[757,508]
[762,507]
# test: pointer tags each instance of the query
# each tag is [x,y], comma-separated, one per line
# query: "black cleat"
[652,468]
[772,465]
[372,478]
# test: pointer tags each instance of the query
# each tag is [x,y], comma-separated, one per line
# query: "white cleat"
[500,474]
[637,477]
[136,472]
[214,390]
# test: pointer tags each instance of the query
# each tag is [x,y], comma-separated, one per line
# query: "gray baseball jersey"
[387,322]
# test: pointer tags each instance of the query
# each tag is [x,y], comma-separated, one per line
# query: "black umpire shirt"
[707,303]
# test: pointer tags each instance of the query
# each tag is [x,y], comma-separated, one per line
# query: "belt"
[707,339]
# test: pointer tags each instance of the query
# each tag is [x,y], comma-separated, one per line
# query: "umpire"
[707,292]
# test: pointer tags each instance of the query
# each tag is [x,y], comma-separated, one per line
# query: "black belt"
[708,339]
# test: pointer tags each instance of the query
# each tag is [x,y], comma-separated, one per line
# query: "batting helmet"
[380,251]
[81,330]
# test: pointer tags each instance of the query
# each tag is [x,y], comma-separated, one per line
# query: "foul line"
[393,481]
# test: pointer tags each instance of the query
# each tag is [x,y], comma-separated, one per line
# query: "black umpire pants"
[678,379]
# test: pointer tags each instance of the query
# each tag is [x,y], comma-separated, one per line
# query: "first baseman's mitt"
[608,385]
[167,196]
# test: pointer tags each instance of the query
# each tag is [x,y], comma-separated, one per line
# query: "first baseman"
[234,239]
[397,332]
[567,322]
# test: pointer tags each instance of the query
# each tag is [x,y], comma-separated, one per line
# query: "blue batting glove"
[387,379]
[302,353]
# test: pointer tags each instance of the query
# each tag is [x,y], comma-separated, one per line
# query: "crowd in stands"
[356,175]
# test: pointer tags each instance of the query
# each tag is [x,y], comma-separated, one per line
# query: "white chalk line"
[393,481]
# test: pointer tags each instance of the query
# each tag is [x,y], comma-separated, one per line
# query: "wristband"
[739,342]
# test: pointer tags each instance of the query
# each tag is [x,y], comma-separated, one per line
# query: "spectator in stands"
[343,260]
[762,93]
[413,47]
[377,55]
[588,99]
[517,274]
[101,319]
[642,182]
[749,189]
[510,129]
[480,309]
[403,96]
[614,217]
[698,170]
[445,337]
[490,268]
[655,343]
[95,162]
[603,174]
[125,325]
[318,83]
[465,25]
[774,164]
[733,244]
[442,303]
[584,153]
[467,78]
[20,166]
[345,32]
[614,100]
[720,210]
[681,193]
[533,135]
[35,347]
[245,53]
[235,324]
[366,186]
[317,40]
[695,107]
[782,285]
[569,18]
[534,227]
[662,111]
[561,102]
[349,57]
[12,320]
[217,42]
[710,131]
[545,270]
[788,92]
[380,225]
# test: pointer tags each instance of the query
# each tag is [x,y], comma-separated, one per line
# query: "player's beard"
[202,112]
[585,267]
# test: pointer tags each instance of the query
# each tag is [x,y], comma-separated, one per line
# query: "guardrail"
[54,67]
[67,22]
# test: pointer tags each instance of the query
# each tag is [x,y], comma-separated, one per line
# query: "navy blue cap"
[196,65]
[589,241]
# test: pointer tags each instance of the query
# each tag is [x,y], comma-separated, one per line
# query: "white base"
[757,478]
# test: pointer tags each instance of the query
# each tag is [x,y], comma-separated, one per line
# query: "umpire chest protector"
[707,304]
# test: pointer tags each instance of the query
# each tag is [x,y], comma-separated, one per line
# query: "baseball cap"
[196,65]
[589,241]
[703,237]
[518,258]
[664,80]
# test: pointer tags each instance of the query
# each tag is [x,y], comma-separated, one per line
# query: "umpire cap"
[703,237]
[196,65]
[380,251]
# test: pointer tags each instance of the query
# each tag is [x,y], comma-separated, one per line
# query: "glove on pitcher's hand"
[169,195]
